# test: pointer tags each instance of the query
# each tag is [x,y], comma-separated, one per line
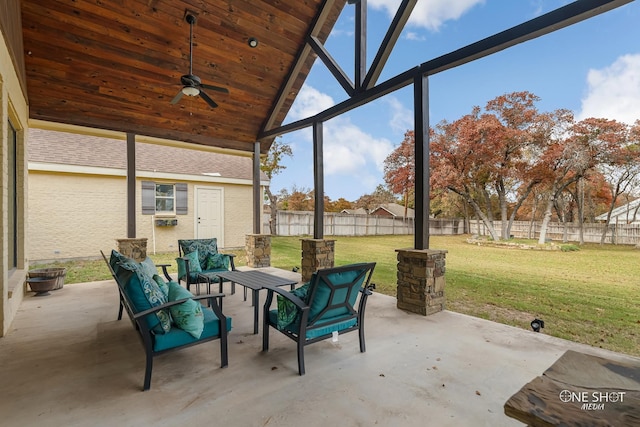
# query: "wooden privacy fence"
[621,234]
[300,223]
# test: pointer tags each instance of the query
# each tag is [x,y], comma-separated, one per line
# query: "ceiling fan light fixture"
[190,91]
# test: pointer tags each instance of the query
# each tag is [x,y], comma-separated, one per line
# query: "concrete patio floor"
[67,361]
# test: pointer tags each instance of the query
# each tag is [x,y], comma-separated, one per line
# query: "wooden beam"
[318,181]
[360,61]
[300,60]
[131,185]
[257,194]
[422,171]
[544,24]
[389,41]
[331,64]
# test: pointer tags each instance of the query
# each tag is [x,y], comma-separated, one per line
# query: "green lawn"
[590,296]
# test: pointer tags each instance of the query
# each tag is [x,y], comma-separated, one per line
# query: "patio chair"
[199,261]
[321,308]
[165,315]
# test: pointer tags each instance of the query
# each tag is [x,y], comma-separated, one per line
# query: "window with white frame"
[164,198]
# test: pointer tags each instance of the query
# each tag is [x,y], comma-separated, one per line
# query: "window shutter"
[181,199]
[148,197]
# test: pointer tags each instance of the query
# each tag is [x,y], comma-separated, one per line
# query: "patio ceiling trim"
[557,19]
[301,59]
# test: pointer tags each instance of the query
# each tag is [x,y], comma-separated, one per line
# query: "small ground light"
[537,324]
[253,42]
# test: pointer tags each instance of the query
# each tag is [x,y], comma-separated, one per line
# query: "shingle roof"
[396,210]
[48,146]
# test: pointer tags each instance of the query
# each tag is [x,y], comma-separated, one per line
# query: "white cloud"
[349,152]
[429,14]
[614,92]
[310,102]
[401,117]
[413,36]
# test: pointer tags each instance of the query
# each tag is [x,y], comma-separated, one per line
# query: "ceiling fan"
[191,84]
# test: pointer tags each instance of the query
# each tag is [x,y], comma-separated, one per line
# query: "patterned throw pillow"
[144,294]
[217,261]
[194,264]
[187,316]
[287,311]
[162,285]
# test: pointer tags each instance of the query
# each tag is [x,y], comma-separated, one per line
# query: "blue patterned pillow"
[162,285]
[144,294]
[288,312]
[217,261]
[187,316]
[194,264]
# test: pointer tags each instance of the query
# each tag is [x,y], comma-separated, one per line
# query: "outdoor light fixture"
[253,42]
[537,324]
[190,90]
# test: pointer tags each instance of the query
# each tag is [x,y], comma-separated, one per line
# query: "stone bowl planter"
[41,285]
[57,273]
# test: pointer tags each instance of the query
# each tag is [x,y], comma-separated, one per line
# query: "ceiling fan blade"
[177,97]
[209,101]
[216,88]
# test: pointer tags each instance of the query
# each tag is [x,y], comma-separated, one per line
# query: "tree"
[461,158]
[272,165]
[299,199]
[399,168]
[380,195]
[620,164]
[572,152]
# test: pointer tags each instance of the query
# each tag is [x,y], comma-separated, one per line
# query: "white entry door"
[209,214]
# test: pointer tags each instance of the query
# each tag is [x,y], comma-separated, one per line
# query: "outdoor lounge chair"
[199,262]
[320,308]
[165,315]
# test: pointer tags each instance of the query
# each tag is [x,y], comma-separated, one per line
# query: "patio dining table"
[255,280]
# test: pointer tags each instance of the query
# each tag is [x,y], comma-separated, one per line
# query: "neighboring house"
[78,195]
[359,211]
[625,214]
[393,210]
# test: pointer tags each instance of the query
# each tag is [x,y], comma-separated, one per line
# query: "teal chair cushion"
[187,316]
[194,264]
[318,330]
[205,247]
[144,293]
[178,337]
[323,294]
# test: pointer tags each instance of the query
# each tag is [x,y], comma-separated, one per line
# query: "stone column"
[421,280]
[135,248]
[316,254]
[258,247]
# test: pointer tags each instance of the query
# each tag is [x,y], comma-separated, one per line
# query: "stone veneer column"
[135,248]
[258,247]
[316,254]
[421,280]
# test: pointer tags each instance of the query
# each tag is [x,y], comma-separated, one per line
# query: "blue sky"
[591,68]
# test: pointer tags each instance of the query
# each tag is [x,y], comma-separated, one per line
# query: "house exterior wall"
[13,107]
[75,214]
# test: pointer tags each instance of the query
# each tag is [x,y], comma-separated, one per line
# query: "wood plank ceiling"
[116,64]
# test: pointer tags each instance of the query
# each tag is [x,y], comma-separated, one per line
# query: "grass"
[591,295]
